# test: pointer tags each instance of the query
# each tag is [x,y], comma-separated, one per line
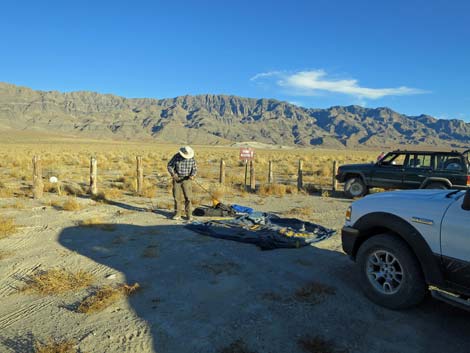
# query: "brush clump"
[105,297]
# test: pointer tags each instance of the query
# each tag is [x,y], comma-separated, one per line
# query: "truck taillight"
[468,180]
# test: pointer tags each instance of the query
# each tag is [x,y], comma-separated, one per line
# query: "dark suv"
[407,170]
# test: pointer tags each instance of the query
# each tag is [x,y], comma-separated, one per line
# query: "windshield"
[393,159]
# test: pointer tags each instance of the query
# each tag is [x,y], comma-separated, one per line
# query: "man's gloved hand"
[176,178]
[192,177]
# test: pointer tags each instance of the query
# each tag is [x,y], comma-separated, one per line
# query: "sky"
[412,56]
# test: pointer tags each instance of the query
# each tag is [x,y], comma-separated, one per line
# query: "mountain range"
[220,119]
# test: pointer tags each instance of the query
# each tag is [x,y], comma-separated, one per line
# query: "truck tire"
[389,273]
[355,187]
[436,185]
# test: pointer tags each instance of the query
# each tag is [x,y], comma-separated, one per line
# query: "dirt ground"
[200,294]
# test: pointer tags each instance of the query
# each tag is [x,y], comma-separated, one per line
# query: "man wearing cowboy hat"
[182,168]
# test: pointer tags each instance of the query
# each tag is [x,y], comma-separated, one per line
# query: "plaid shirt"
[182,167]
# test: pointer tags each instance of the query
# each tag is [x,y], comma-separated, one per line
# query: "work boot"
[190,218]
[176,217]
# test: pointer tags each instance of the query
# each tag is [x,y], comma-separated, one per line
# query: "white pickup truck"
[406,243]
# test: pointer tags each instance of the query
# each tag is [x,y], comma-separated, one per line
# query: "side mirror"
[466,201]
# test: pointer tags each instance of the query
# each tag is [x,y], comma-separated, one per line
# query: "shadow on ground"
[200,294]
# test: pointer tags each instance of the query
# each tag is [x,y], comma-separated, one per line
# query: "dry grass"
[97,222]
[55,346]
[112,194]
[57,280]
[73,190]
[272,189]
[238,346]
[5,254]
[105,297]
[7,227]
[18,205]
[151,251]
[6,193]
[299,212]
[314,292]
[318,344]
[71,205]
[149,192]
[116,166]
[222,267]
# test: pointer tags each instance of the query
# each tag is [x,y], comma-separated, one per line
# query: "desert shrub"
[300,212]
[73,189]
[97,222]
[237,346]
[5,254]
[149,191]
[71,205]
[105,297]
[57,280]
[272,189]
[314,292]
[110,194]
[7,226]
[317,344]
[55,346]
[6,193]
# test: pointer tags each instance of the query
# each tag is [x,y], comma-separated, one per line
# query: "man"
[183,168]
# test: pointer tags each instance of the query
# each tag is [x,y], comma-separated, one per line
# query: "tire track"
[7,286]
[24,312]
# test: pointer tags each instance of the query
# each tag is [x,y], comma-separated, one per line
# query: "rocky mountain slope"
[220,119]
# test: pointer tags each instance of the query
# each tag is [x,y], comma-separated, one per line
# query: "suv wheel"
[440,186]
[389,273]
[355,187]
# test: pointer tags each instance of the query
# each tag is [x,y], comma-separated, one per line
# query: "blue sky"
[412,56]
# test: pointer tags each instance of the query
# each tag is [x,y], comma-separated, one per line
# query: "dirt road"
[200,294]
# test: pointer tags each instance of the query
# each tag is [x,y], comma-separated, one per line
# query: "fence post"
[140,175]
[333,180]
[300,181]
[252,176]
[38,185]
[246,174]
[93,176]
[270,172]
[222,172]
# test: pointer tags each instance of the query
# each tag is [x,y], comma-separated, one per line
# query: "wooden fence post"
[246,174]
[300,181]
[140,175]
[270,173]
[222,172]
[93,176]
[38,185]
[252,176]
[333,180]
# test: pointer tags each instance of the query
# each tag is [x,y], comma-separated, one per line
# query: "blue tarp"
[266,230]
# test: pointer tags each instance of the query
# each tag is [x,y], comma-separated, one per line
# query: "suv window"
[420,161]
[449,162]
[394,160]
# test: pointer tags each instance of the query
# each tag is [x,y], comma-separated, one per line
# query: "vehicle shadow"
[200,294]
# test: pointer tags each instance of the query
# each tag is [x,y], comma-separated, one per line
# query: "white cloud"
[307,83]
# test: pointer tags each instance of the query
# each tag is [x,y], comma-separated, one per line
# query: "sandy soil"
[201,294]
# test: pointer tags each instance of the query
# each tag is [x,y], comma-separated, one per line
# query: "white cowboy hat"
[186,152]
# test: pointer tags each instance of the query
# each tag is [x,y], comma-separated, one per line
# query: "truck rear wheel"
[389,273]
[355,187]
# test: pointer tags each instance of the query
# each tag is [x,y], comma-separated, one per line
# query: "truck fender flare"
[371,223]
[429,180]
[360,174]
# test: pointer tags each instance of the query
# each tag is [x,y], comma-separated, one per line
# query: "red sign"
[247,153]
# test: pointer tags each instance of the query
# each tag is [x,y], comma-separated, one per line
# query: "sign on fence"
[247,153]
